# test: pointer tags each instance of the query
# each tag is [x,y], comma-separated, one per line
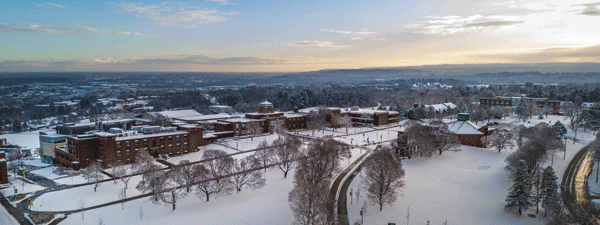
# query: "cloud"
[50,4]
[591,9]
[316,44]
[153,64]
[556,54]
[35,28]
[448,25]
[29,28]
[222,2]
[361,32]
[166,15]
[134,33]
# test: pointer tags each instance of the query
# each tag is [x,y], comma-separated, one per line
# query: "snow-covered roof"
[208,117]
[463,127]
[242,120]
[442,107]
[265,103]
[179,113]
[292,115]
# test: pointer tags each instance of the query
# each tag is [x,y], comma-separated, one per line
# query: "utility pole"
[361,216]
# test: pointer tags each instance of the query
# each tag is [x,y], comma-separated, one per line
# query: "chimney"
[295,109]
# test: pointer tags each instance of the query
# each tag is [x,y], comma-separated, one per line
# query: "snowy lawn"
[268,205]
[69,199]
[48,172]
[6,218]
[77,179]
[21,189]
[29,139]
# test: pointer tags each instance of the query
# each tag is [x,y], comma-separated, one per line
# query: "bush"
[41,217]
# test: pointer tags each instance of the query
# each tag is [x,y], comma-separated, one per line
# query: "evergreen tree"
[548,188]
[521,109]
[561,130]
[519,197]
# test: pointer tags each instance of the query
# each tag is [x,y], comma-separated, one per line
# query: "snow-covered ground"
[29,139]
[69,199]
[6,218]
[48,173]
[21,189]
[268,205]
[466,187]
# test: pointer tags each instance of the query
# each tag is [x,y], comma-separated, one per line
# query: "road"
[574,188]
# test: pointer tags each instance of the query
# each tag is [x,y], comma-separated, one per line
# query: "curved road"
[574,188]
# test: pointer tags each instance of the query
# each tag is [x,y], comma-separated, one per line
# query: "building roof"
[241,120]
[179,113]
[208,117]
[265,103]
[463,127]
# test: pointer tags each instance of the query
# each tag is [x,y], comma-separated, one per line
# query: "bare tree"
[265,154]
[122,196]
[144,164]
[444,140]
[254,129]
[93,173]
[208,185]
[407,215]
[308,202]
[383,178]
[220,165]
[187,173]
[171,188]
[327,154]
[286,150]
[246,173]
[81,206]
[15,159]
[112,168]
[500,140]
[141,214]
[317,120]
[121,173]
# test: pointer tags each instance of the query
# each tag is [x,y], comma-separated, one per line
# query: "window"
[118,153]
[128,152]
[178,145]
[128,161]
[170,138]
[170,146]
[137,142]
[145,148]
[177,137]
[185,136]
[185,144]
[145,141]
[127,143]
[137,150]
[162,138]
[162,147]
[118,144]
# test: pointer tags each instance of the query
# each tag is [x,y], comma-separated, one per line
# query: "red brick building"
[118,146]
[512,102]
[3,169]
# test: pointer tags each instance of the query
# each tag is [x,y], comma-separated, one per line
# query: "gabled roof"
[463,127]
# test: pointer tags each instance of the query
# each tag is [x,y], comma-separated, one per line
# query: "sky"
[290,36]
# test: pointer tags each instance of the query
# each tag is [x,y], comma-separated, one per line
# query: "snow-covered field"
[29,139]
[6,218]
[466,187]
[69,199]
[267,205]
[21,189]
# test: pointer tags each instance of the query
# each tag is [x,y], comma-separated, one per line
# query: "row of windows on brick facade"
[162,147]
[162,139]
